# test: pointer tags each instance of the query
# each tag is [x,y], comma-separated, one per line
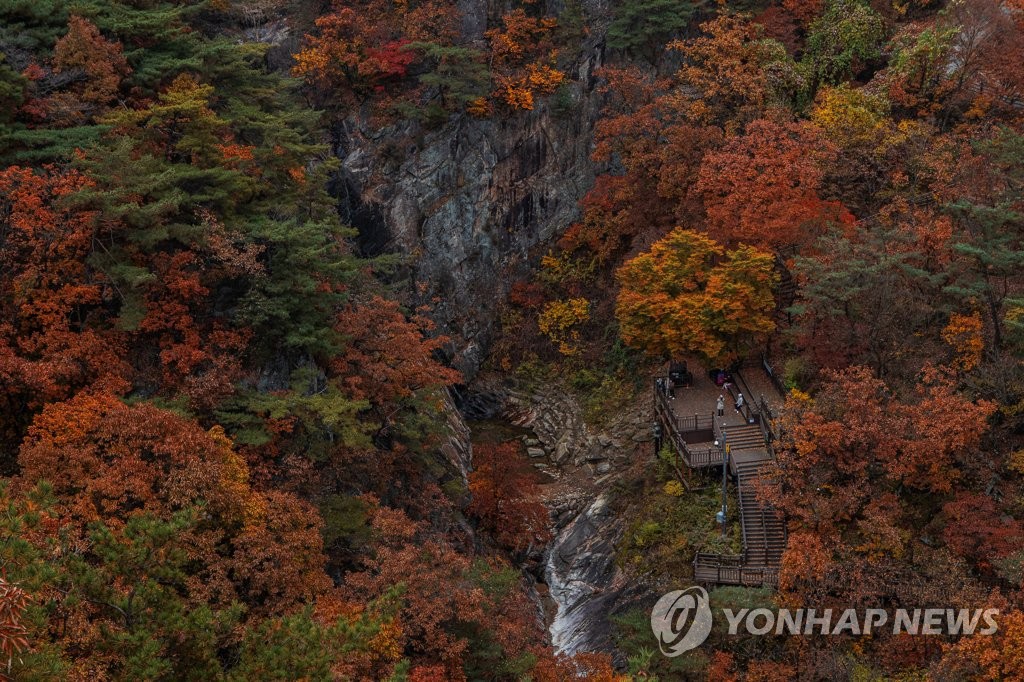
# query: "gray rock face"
[582,579]
[457,447]
[471,199]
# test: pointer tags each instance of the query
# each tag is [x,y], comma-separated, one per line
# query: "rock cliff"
[470,201]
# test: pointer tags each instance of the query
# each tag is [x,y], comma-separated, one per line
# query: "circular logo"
[681,620]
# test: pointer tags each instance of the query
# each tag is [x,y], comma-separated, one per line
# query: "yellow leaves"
[310,63]
[678,298]
[518,91]
[850,116]
[234,480]
[964,334]
[800,396]
[514,94]
[674,488]
[543,78]
[480,108]
[980,106]
[558,321]
[387,643]
[1015,461]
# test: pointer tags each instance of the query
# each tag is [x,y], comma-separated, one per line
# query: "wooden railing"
[765,421]
[749,410]
[678,426]
[776,382]
[729,569]
[706,456]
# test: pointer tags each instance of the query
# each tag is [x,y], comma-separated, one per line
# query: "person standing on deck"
[721,405]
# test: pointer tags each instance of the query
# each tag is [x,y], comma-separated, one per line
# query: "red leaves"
[762,187]
[506,499]
[362,50]
[392,60]
[855,439]
[977,530]
[387,357]
[109,461]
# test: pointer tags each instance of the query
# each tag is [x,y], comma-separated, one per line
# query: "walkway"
[700,439]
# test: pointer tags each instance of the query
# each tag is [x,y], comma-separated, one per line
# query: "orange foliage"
[278,555]
[387,357]
[769,671]
[805,560]
[594,667]
[363,48]
[108,461]
[762,187]
[679,299]
[722,667]
[854,436]
[437,593]
[982,39]
[523,58]
[988,658]
[722,72]
[845,475]
[103,65]
[964,335]
[506,497]
[660,130]
[48,296]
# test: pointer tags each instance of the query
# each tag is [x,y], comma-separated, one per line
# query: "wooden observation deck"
[700,439]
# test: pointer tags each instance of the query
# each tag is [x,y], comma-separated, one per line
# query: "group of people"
[724,380]
[738,405]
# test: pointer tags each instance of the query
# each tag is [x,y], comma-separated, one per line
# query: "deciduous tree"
[762,187]
[506,498]
[689,295]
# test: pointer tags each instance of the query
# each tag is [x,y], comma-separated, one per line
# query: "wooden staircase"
[764,530]
[749,454]
[746,440]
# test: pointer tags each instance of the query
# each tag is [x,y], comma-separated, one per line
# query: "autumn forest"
[329,333]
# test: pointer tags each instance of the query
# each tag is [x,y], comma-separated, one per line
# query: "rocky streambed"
[578,582]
